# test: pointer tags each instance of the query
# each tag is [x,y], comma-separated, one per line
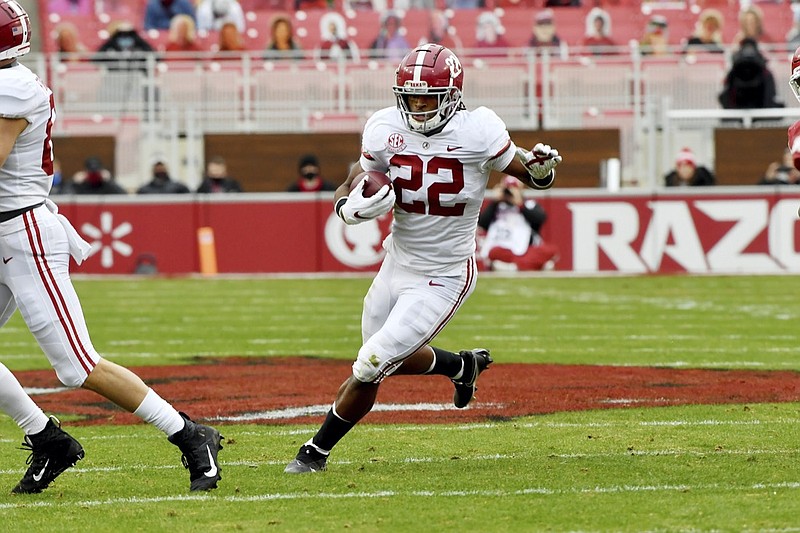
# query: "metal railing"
[157,103]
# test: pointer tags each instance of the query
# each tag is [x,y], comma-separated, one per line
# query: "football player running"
[35,245]
[439,156]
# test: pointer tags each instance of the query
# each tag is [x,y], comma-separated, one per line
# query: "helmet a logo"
[454,65]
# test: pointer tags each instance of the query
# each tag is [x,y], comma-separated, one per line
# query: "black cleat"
[475,362]
[53,450]
[200,445]
[308,459]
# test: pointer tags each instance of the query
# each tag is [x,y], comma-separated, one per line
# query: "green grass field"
[697,468]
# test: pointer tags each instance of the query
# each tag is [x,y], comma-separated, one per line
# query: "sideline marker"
[207,250]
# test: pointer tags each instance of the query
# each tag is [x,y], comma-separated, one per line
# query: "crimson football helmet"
[15,30]
[794,78]
[429,69]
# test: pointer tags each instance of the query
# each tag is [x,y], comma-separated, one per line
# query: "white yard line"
[540,491]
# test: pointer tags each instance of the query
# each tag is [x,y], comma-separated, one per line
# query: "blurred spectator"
[303,5]
[158,13]
[405,5]
[751,26]
[749,84]
[655,41]
[95,179]
[793,35]
[335,44]
[182,35]
[217,178]
[71,7]
[162,183]
[464,4]
[212,14]
[512,225]
[562,3]
[282,43]
[309,177]
[598,32]
[125,49]
[781,172]
[391,42]
[61,184]
[441,32]
[369,5]
[490,35]
[544,33]
[68,41]
[707,36]
[230,40]
[688,173]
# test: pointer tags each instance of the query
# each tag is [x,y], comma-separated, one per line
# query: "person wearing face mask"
[61,184]
[216,179]
[162,183]
[95,179]
[310,179]
[158,13]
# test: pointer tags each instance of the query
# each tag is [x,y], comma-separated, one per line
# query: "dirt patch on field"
[298,390]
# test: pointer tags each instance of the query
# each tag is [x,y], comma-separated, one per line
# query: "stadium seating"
[628,22]
[687,85]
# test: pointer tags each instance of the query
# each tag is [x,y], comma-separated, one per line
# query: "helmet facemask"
[448,100]
[794,82]
[433,71]
[794,78]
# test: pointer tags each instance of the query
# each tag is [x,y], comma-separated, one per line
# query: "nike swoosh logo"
[434,284]
[7,259]
[453,148]
[213,470]
[38,477]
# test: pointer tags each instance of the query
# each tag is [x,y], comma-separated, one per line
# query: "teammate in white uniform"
[439,156]
[35,246]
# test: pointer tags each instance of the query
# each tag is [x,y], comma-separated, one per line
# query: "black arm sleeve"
[487,216]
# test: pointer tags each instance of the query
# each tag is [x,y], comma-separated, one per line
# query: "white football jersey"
[440,183]
[26,176]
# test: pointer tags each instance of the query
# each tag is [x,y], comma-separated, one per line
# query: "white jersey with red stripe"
[440,181]
[36,245]
[26,176]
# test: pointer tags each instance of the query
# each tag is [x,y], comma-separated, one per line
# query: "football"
[375,182]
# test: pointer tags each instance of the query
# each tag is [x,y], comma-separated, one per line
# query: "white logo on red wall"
[106,238]
[699,235]
[356,246]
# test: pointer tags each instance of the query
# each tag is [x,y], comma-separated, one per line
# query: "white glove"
[357,209]
[540,161]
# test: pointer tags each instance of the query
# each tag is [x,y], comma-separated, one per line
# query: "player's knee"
[367,366]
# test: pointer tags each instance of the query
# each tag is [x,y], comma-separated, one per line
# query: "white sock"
[155,410]
[461,372]
[433,363]
[16,403]
[320,450]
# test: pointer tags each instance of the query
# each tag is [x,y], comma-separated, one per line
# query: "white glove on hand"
[357,209]
[540,161]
